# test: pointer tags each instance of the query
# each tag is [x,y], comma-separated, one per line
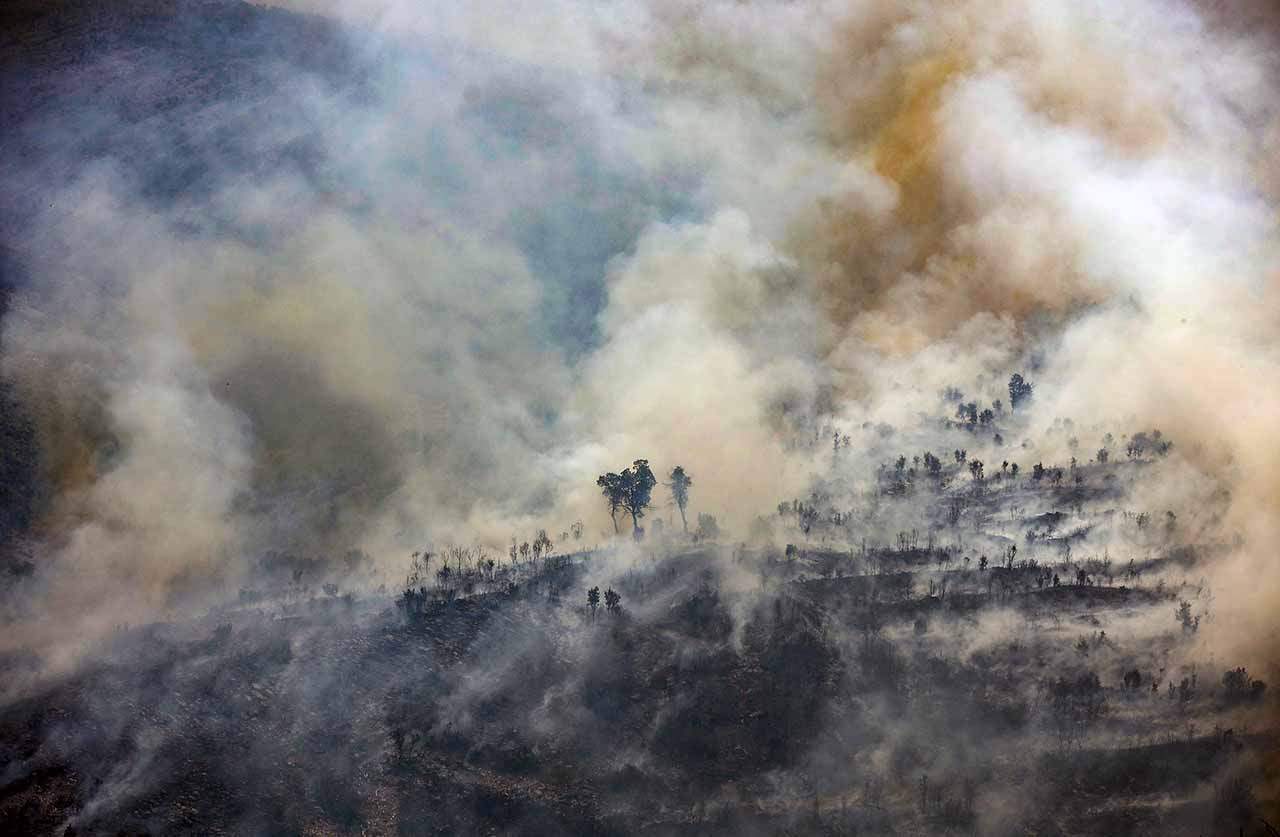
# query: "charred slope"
[690,710]
[511,710]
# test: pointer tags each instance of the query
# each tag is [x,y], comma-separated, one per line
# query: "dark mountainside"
[923,643]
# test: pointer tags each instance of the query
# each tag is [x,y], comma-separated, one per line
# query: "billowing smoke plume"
[425,283]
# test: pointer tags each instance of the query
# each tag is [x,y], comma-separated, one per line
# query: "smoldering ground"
[283,283]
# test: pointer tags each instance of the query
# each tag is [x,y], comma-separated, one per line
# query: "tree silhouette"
[612,601]
[593,601]
[1190,624]
[1020,390]
[806,516]
[1074,705]
[629,491]
[708,529]
[638,480]
[614,490]
[680,483]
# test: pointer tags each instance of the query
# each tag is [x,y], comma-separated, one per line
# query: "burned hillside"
[639,417]
[985,671]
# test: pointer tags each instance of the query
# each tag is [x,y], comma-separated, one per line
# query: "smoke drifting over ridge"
[424,284]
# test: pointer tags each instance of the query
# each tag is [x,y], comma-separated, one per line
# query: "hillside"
[946,332]
[891,686]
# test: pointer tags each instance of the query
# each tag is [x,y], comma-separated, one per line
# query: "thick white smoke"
[799,211]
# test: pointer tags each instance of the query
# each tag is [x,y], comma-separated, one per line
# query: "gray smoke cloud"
[426,285]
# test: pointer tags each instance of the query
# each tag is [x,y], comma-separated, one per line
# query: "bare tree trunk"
[682,520]
[614,514]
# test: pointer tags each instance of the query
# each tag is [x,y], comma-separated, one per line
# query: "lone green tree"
[680,483]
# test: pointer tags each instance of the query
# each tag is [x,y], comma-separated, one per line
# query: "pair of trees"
[969,414]
[632,490]
[629,492]
[612,600]
[1142,442]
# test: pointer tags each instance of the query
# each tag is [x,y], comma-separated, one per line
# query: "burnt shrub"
[1239,688]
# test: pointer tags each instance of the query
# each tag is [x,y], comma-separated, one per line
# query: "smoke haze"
[409,276]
